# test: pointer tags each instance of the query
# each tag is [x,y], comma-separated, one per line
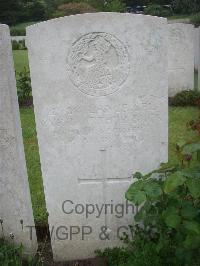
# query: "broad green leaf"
[193,172]
[192,241]
[194,187]
[189,212]
[173,181]
[171,217]
[191,148]
[135,193]
[173,220]
[139,197]
[137,175]
[140,215]
[192,226]
[145,212]
[152,189]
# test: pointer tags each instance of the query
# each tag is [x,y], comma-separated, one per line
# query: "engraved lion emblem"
[98,64]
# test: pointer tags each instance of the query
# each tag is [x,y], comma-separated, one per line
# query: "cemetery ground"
[178,118]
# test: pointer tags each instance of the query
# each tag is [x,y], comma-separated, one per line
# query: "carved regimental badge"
[98,64]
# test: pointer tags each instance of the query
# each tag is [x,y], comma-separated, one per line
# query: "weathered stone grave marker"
[15,203]
[196,48]
[181,54]
[199,61]
[100,88]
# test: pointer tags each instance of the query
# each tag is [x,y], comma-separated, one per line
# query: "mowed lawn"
[33,165]
[178,118]
[20,60]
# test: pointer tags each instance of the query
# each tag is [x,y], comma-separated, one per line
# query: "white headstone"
[15,208]
[199,62]
[196,48]
[100,94]
[180,57]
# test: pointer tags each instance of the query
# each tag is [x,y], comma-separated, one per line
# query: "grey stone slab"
[181,40]
[100,89]
[196,47]
[15,203]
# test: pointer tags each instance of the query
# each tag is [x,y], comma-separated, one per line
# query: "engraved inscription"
[101,123]
[98,64]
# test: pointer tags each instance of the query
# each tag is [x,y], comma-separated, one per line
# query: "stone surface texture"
[18,38]
[199,62]
[196,47]
[100,87]
[181,57]
[15,208]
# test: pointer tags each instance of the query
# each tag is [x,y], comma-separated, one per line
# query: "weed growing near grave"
[19,45]
[195,124]
[195,19]
[23,85]
[158,10]
[166,226]
[185,98]
[11,255]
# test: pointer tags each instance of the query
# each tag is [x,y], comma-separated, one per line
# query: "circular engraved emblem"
[98,64]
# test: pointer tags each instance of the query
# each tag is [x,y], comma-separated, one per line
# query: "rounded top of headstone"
[95,16]
[4,26]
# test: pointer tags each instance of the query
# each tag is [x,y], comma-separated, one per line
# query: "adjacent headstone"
[15,208]
[180,57]
[100,94]
[196,49]
[199,62]
[18,38]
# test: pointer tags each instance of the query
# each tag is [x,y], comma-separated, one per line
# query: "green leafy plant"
[158,10]
[185,98]
[166,228]
[18,45]
[195,124]
[23,85]
[195,19]
[186,6]
[141,252]
[73,8]
[168,202]
[115,6]
[11,255]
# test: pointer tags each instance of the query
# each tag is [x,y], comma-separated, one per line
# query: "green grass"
[33,165]
[178,131]
[178,117]
[13,255]
[20,59]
